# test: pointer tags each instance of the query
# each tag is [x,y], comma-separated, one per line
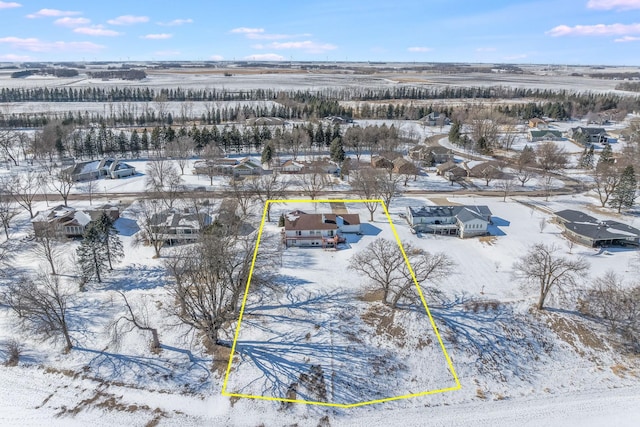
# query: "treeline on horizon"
[300,105]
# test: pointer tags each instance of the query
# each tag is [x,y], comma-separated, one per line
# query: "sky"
[605,32]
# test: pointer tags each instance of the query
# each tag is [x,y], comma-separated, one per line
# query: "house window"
[298,233]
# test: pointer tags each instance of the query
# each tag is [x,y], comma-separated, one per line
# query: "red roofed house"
[302,229]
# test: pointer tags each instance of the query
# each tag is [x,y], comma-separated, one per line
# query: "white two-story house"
[321,230]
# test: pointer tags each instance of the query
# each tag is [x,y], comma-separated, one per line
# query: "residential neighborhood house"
[587,135]
[537,123]
[544,135]
[319,230]
[589,231]
[66,221]
[435,119]
[432,155]
[179,226]
[107,167]
[463,221]
[227,166]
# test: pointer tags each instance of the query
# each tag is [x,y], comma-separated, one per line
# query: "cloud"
[265,57]
[128,20]
[96,30]
[71,22]
[163,36]
[52,13]
[245,30]
[176,22]
[37,45]
[595,30]
[486,49]
[613,4]
[217,57]
[260,34]
[419,49]
[9,5]
[307,46]
[14,58]
[627,39]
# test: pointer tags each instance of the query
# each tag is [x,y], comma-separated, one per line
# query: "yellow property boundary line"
[339,405]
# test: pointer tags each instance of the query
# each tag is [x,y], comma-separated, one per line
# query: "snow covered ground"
[516,366]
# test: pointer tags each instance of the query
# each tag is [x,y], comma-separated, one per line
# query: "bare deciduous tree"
[152,229]
[313,183]
[606,178]
[42,305]
[551,157]
[163,178]
[366,184]
[8,209]
[541,268]
[9,140]
[63,182]
[241,193]
[181,149]
[267,187]
[384,265]
[23,188]
[209,280]
[618,305]
[48,247]
[137,318]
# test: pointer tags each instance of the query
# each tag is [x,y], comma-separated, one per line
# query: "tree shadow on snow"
[126,227]
[192,373]
[136,276]
[302,330]
[500,340]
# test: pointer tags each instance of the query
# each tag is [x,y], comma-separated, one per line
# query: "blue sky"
[516,31]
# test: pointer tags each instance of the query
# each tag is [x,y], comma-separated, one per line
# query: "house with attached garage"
[109,168]
[318,230]
[179,226]
[589,231]
[544,135]
[66,221]
[462,221]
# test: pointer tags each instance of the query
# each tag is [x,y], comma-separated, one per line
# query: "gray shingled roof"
[575,216]
[463,213]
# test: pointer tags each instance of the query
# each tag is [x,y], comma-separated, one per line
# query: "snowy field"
[245,79]
[514,365]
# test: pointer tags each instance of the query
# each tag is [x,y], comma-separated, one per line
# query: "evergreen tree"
[454,132]
[267,154]
[145,141]
[91,254]
[625,193]
[337,150]
[586,161]
[606,157]
[111,243]
[134,143]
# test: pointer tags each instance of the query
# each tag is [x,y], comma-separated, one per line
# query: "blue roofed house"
[463,221]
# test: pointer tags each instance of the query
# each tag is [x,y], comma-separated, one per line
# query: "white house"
[110,168]
[464,221]
[321,230]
